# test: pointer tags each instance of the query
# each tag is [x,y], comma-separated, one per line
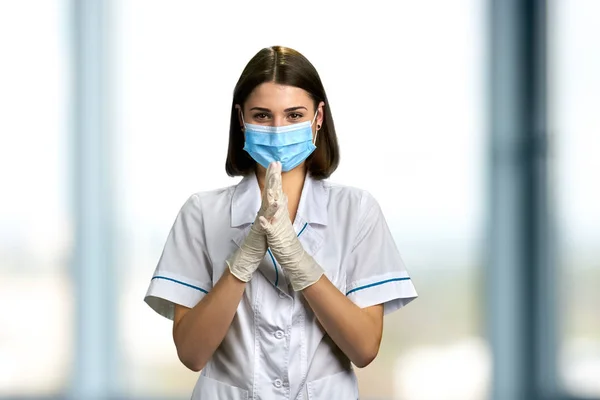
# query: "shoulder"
[356,199]
[214,196]
[208,199]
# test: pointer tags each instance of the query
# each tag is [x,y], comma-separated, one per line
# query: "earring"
[318,127]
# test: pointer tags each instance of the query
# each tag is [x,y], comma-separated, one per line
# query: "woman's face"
[273,104]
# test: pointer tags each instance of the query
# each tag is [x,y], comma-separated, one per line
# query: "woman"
[278,284]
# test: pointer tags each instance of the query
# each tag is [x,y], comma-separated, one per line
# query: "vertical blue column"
[93,264]
[520,274]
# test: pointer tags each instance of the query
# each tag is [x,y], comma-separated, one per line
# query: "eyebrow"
[286,110]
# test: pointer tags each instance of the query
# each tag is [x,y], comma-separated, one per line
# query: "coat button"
[279,334]
[277,383]
[281,295]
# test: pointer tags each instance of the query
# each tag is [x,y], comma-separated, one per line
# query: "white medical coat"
[275,347]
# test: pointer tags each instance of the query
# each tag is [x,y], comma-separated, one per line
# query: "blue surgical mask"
[289,144]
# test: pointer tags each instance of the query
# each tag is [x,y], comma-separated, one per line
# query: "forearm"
[356,331]
[202,329]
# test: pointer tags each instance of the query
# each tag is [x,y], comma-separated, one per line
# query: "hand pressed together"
[300,267]
[244,262]
[273,228]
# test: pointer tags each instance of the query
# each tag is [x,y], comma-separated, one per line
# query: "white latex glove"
[244,262]
[299,266]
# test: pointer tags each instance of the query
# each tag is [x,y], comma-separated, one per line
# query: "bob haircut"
[283,66]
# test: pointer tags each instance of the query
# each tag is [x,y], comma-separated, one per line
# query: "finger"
[272,192]
[279,213]
[264,223]
[274,178]
[269,173]
[274,196]
[271,169]
[272,209]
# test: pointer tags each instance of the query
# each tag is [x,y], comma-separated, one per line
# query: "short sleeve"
[375,272]
[184,273]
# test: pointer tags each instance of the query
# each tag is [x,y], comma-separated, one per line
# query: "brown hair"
[285,66]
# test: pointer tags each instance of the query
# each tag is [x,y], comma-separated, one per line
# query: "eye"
[295,115]
[260,116]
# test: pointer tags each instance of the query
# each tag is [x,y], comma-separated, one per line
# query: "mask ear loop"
[318,127]
[244,122]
